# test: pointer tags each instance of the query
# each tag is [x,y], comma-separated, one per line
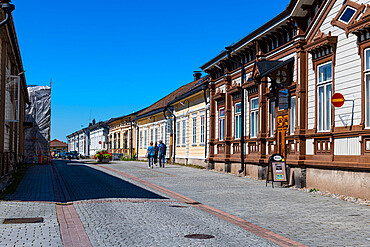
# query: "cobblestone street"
[127,204]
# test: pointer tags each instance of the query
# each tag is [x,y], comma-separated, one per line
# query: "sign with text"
[279,172]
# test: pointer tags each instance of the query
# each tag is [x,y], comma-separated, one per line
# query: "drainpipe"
[7,8]
[174,133]
[137,138]
[131,137]
[206,123]
[242,166]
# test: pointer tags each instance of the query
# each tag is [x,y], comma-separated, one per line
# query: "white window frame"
[348,7]
[202,128]
[293,114]
[221,125]
[183,139]
[237,122]
[141,139]
[194,118]
[162,134]
[254,118]
[367,88]
[156,134]
[324,109]
[151,134]
[145,138]
[178,133]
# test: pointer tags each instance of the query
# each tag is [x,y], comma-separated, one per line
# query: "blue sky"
[111,58]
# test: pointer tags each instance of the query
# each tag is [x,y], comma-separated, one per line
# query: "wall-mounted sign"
[337,100]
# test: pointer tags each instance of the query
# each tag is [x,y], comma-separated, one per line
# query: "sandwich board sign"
[276,170]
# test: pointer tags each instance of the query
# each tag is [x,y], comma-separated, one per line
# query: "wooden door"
[282,122]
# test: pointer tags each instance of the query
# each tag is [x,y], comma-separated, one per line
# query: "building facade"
[190,112]
[123,136]
[98,138]
[293,64]
[57,147]
[13,95]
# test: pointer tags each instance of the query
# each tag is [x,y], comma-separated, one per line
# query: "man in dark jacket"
[162,153]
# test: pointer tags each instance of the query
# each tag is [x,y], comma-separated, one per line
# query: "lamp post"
[241,63]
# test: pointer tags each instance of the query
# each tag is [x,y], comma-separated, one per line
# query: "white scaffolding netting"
[39,113]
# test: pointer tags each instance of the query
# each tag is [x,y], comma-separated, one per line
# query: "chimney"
[197,75]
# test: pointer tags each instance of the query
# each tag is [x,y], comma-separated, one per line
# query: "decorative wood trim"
[348,3]
[359,24]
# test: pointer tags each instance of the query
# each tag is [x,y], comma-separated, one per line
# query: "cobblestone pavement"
[304,217]
[34,188]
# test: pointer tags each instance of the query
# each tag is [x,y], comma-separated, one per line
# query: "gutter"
[150,113]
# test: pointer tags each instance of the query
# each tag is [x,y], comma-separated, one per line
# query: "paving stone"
[297,215]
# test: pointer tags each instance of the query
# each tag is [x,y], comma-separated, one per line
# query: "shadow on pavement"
[81,183]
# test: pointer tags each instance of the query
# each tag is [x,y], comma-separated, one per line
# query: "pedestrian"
[162,153]
[150,154]
[156,149]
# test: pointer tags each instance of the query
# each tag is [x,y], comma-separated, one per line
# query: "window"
[324,94]
[272,117]
[293,114]
[162,134]
[254,117]
[347,15]
[183,132]
[221,134]
[156,134]
[194,129]
[178,133]
[141,139]
[145,138]
[283,99]
[367,88]
[238,120]
[202,129]
[151,135]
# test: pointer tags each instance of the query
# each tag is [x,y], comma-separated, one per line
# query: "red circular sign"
[337,100]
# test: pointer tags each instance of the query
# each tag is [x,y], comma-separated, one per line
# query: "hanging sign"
[337,100]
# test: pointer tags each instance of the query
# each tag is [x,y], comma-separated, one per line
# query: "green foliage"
[313,190]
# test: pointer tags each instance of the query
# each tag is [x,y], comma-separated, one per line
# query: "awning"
[266,67]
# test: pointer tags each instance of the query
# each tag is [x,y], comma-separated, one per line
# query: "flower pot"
[104,160]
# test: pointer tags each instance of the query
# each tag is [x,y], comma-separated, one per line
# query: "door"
[282,122]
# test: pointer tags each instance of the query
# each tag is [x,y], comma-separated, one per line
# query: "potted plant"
[103,156]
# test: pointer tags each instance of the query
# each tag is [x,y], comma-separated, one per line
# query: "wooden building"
[123,136]
[57,147]
[293,65]
[13,95]
[190,111]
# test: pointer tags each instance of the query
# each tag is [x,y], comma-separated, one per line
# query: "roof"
[162,103]
[124,116]
[197,87]
[253,34]
[57,143]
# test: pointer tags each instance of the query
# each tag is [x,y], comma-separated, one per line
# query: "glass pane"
[272,111]
[240,126]
[328,106]
[257,124]
[347,15]
[325,72]
[238,108]
[293,114]
[367,98]
[252,124]
[222,112]
[254,103]
[367,59]
[283,99]
[320,116]
[237,127]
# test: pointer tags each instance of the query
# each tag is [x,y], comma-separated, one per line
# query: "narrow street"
[127,204]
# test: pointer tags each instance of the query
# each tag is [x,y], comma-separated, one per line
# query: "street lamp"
[7,8]
[241,63]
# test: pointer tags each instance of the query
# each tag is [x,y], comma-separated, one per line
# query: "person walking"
[150,154]
[156,149]
[162,153]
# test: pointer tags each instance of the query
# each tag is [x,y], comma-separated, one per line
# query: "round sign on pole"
[337,100]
